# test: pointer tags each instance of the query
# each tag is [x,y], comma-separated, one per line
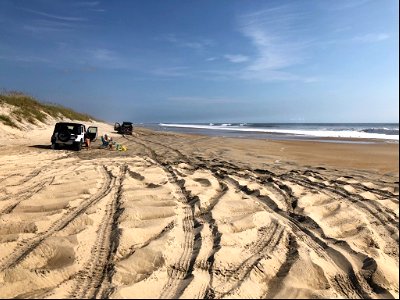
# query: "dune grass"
[31,110]
[7,121]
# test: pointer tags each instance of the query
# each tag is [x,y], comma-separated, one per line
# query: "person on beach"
[87,140]
[108,140]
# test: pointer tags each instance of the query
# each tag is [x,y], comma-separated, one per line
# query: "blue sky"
[206,61]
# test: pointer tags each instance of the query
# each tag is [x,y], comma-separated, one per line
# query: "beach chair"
[104,143]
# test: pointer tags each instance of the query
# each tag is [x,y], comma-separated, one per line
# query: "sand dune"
[180,216]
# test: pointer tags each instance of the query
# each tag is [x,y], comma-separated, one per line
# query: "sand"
[187,216]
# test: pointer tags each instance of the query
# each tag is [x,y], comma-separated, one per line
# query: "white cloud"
[371,37]
[366,38]
[196,44]
[275,75]
[44,26]
[103,54]
[45,29]
[98,9]
[261,75]
[52,23]
[342,29]
[343,5]
[273,33]
[87,3]
[236,58]
[25,58]
[202,100]
[90,5]
[53,16]
[169,71]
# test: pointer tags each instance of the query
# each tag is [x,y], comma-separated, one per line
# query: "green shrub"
[7,121]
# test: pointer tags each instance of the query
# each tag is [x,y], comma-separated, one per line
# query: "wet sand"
[186,216]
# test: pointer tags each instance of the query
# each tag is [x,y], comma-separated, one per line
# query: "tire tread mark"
[269,238]
[297,224]
[292,255]
[94,280]
[388,223]
[26,194]
[25,247]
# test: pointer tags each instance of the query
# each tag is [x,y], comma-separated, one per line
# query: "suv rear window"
[73,128]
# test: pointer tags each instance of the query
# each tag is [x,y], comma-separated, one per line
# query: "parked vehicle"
[125,128]
[71,134]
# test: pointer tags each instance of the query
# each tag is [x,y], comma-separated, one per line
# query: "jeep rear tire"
[64,135]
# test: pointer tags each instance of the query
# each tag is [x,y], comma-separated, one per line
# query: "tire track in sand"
[26,194]
[347,284]
[94,280]
[26,246]
[373,206]
[387,221]
[268,239]
[215,168]
[179,272]
[350,284]
[307,225]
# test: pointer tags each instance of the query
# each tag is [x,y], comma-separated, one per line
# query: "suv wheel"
[78,146]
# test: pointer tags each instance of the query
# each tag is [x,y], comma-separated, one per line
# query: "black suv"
[125,128]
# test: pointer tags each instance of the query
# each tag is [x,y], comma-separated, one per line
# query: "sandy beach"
[191,216]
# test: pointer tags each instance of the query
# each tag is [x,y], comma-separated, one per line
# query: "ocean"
[327,132]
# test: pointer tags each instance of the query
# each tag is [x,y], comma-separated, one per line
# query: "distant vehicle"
[71,134]
[124,128]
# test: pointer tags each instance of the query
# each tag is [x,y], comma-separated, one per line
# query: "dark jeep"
[125,128]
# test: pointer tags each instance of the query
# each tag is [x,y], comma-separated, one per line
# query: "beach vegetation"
[27,108]
[7,121]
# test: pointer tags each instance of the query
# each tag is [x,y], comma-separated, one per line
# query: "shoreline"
[370,155]
[287,137]
[282,131]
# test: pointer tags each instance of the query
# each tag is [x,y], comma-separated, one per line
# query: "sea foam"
[367,133]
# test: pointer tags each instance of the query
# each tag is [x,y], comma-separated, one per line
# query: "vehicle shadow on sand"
[48,147]
[40,146]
